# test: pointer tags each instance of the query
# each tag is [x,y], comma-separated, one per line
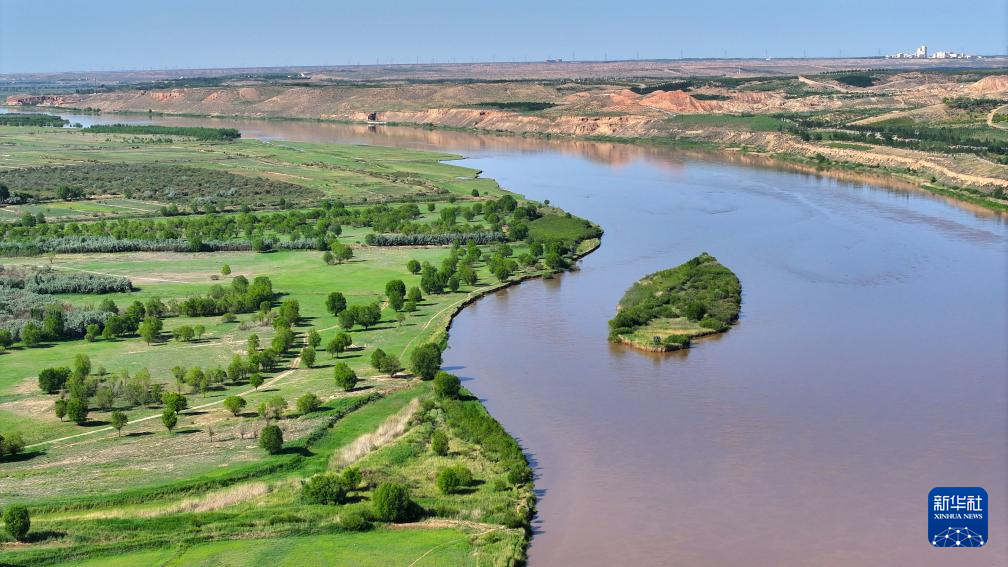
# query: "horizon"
[421,35]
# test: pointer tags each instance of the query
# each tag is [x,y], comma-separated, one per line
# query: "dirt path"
[990,118]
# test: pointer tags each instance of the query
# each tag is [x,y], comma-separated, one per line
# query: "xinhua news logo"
[957,516]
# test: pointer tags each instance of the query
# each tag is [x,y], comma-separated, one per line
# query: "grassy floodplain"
[665,310]
[205,492]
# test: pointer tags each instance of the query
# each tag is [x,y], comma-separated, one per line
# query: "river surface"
[870,363]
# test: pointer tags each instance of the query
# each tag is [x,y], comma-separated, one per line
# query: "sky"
[106,35]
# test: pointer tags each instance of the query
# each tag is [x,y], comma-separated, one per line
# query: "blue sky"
[156,34]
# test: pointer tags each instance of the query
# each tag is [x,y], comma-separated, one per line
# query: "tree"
[104,397]
[194,377]
[447,385]
[271,439]
[119,420]
[413,266]
[328,258]
[425,360]
[348,318]
[414,295]
[77,410]
[390,365]
[60,408]
[308,356]
[18,521]
[235,404]
[225,270]
[396,301]
[351,477]
[276,406]
[341,252]
[253,344]
[336,303]
[256,380]
[183,334]
[395,287]
[453,283]
[6,339]
[169,419]
[439,443]
[174,402]
[338,344]
[308,403]
[377,357]
[345,377]
[326,488]
[236,369]
[150,329]
[451,480]
[313,338]
[368,315]
[31,334]
[198,330]
[52,380]
[82,365]
[392,503]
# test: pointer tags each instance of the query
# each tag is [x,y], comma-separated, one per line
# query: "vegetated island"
[665,310]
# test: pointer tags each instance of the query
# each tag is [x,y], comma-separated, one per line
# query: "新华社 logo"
[957,516]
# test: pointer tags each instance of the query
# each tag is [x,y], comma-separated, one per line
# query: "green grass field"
[206,493]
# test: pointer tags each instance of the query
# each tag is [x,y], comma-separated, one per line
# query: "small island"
[666,310]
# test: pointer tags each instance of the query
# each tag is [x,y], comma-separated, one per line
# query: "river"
[869,365]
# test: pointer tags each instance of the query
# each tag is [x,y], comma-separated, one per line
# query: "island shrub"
[453,479]
[271,439]
[326,488]
[392,503]
[17,521]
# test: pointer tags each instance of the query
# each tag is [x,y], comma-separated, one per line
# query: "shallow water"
[869,365]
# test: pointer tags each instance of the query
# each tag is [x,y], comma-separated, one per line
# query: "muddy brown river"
[869,366]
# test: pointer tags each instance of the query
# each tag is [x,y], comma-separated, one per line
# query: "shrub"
[392,503]
[308,403]
[439,443]
[271,439]
[354,521]
[18,521]
[327,488]
[447,385]
[451,480]
[52,380]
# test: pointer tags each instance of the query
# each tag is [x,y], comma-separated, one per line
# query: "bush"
[271,439]
[308,403]
[325,488]
[52,380]
[439,443]
[447,385]
[392,503]
[454,479]
[354,521]
[18,521]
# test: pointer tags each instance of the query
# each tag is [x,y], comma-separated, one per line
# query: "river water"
[869,365]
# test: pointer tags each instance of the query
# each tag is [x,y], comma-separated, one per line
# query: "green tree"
[392,503]
[271,439]
[169,419]
[174,402]
[276,406]
[150,329]
[395,287]
[6,339]
[308,356]
[313,338]
[198,331]
[413,266]
[338,344]
[119,420]
[77,410]
[447,385]
[390,365]
[235,404]
[345,377]
[425,360]
[52,380]
[82,365]
[18,521]
[60,408]
[256,380]
[336,303]
[341,252]
[414,295]
[225,270]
